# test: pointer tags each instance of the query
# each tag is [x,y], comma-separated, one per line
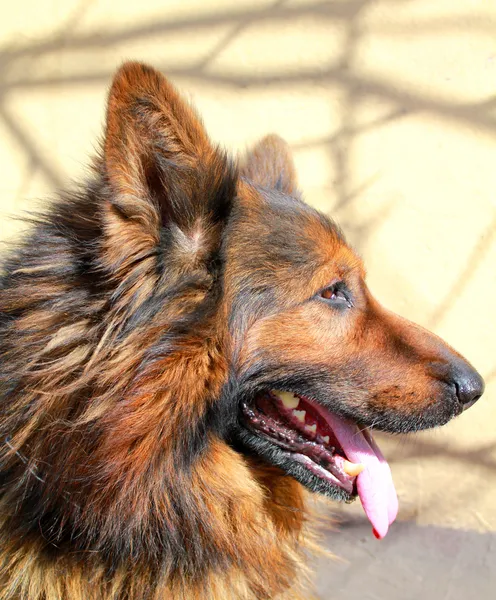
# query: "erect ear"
[270,164]
[167,183]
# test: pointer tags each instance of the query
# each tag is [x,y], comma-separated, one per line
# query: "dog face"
[177,314]
[302,315]
[312,345]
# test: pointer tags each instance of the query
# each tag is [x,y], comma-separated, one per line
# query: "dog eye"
[337,295]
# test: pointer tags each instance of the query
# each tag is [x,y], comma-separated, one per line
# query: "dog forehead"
[279,252]
[285,232]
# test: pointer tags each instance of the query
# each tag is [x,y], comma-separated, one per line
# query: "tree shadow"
[354,86]
[18,73]
[468,271]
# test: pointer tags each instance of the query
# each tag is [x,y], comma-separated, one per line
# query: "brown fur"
[130,315]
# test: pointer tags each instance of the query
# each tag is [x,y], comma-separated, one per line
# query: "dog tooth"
[300,415]
[325,439]
[289,400]
[352,469]
[311,428]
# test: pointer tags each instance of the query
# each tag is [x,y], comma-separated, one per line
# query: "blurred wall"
[390,107]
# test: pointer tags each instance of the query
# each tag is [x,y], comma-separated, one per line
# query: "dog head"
[308,348]
[320,362]
[176,305]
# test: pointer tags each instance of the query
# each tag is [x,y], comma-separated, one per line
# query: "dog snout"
[468,383]
[442,362]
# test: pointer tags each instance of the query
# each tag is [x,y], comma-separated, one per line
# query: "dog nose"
[468,383]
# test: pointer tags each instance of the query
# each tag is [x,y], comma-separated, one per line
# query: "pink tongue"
[375,484]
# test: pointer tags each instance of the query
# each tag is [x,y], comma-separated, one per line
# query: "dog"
[187,348]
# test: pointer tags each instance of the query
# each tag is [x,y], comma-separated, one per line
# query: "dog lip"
[286,460]
[282,428]
[374,483]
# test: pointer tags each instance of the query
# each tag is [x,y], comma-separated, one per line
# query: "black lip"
[309,451]
[274,455]
[392,421]
[443,410]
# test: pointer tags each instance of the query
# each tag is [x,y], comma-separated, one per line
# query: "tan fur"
[129,316]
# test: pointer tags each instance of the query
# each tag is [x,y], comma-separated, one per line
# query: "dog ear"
[270,164]
[167,183]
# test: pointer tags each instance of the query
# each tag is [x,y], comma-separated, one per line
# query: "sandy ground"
[389,107]
[433,563]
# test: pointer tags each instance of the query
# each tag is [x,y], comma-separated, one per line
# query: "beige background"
[390,107]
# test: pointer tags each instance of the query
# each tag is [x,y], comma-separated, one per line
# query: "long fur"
[135,317]
[113,482]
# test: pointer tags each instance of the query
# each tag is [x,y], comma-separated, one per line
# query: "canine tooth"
[325,439]
[311,428]
[300,415]
[288,399]
[352,469]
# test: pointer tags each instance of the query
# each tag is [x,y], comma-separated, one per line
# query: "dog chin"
[285,460]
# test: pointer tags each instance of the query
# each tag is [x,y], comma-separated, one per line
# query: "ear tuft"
[270,164]
[161,169]
[148,124]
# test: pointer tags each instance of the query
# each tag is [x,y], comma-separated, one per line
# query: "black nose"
[468,383]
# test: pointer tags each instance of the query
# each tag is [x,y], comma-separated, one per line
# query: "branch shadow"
[472,263]
[424,448]
[343,74]
[354,85]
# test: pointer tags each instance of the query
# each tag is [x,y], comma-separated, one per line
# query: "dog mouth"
[325,452]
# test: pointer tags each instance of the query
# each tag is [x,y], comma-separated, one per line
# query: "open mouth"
[345,459]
